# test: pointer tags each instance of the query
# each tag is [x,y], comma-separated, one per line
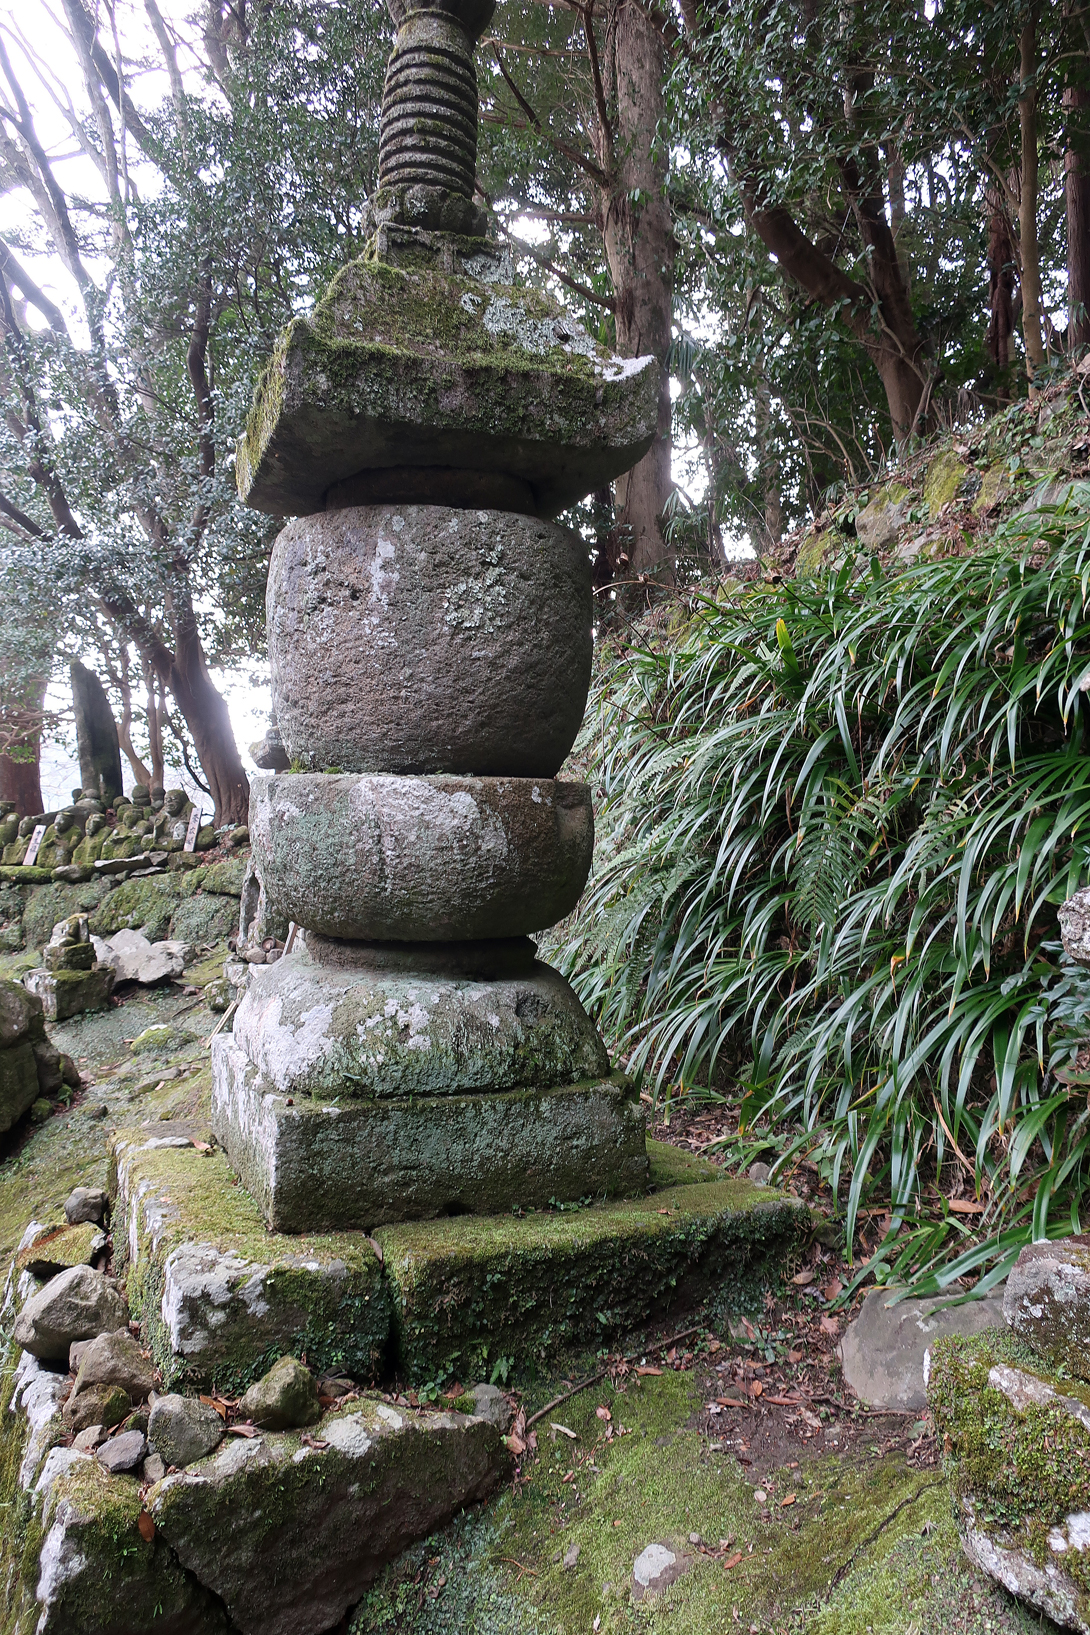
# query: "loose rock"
[284,1397]
[1047,1302]
[87,1204]
[76,1305]
[123,1453]
[106,1405]
[182,1429]
[116,1359]
[491,1404]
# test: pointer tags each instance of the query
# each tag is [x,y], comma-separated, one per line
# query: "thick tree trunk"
[20,777]
[1077,193]
[206,716]
[20,781]
[639,244]
[1002,278]
[1027,202]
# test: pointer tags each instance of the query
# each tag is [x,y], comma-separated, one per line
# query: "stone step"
[219,1298]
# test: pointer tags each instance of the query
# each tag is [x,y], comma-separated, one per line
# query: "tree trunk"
[1002,277]
[20,781]
[20,778]
[1027,202]
[207,718]
[1077,194]
[639,244]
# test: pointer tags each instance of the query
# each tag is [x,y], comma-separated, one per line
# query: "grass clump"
[836,819]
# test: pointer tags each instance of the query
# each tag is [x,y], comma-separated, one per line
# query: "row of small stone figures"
[146,820]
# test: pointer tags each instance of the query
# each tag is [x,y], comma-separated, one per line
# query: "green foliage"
[837,818]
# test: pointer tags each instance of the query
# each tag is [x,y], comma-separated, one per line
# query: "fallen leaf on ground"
[730,1402]
[829,1325]
[790,1499]
[603,1412]
[783,1402]
[965,1206]
[802,1278]
[732,1561]
[145,1527]
[203,1146]
[831,1290]
[563,1429]
[646,1369]
[242,1430]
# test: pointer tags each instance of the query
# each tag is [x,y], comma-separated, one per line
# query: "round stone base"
[441,859]
[424,638]
[360,1033]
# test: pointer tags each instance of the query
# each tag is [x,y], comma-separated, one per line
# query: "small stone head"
[96,822]
[141,794]
[26,828]
[174,802]
[64,821]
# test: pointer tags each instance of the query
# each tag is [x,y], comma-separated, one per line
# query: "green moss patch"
[1023,1470]
[219,1298]
[856,1536]
[473,1290]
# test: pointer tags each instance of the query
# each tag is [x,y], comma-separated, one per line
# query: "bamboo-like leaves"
[836,819]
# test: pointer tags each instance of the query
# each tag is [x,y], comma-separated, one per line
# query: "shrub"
[836,819]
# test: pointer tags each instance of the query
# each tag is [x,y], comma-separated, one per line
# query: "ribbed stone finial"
[429,102]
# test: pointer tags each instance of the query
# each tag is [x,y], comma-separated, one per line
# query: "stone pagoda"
[429,631]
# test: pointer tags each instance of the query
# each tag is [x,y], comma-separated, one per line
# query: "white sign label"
[193,830]
[35,846]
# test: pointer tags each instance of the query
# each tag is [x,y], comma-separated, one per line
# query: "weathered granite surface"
[427,639]
[424,366]
[421,859]
[313,1164]
[218,1300]
[353,1032]
[1047,1302]
[1017,1450]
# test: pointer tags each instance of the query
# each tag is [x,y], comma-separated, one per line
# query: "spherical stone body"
[426,639]
[435,859]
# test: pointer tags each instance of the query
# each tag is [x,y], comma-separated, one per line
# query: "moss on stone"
[502,1572]
[671,1167]
[945,476]
[530,1288]
[136,904]
[318,1294]
[1024,1471]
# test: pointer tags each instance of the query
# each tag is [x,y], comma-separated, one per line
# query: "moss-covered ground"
[840,1545]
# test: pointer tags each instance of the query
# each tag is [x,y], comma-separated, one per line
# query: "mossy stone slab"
[313,1164]
[67,993]
[420,367]
[470,1291]
[1017,1446]
[218,1298]
[289,1529]
[57,1248]
[99,1575]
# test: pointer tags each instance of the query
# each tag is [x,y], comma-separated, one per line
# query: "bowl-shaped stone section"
[436,859]
[424,639]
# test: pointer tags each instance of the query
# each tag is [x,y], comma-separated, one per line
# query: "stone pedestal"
[430,639]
